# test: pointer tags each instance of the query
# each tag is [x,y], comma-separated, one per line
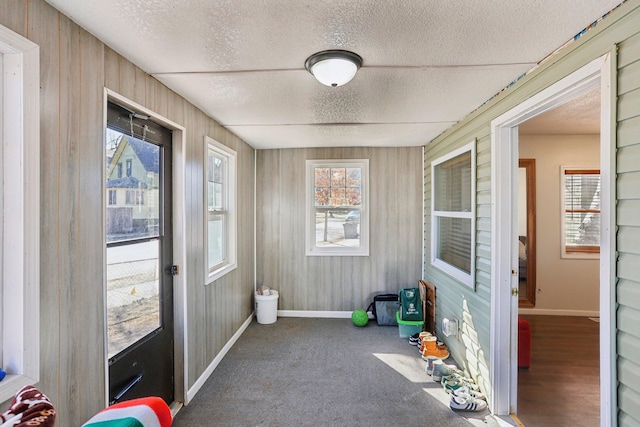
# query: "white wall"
[566,285]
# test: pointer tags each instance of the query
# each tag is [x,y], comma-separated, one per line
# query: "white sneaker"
[467,403]
[464,390]
[457,377]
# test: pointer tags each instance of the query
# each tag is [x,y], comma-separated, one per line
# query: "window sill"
[337,252]
[11,384]
[222,271]
[465,278]
[580,255]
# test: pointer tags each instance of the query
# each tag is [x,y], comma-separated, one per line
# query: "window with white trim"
[220,209]
[453,214]
[337,207]
[19,212]
[580,212]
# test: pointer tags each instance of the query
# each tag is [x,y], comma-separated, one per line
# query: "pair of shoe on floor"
[465,394]
[428,345]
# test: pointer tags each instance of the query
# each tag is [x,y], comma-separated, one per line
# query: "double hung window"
[453,214]
[337,208]
[580,212]
[220,187]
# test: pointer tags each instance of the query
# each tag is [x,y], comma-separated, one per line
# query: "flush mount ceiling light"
[333,67]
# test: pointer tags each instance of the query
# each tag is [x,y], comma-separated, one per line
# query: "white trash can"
[267,307]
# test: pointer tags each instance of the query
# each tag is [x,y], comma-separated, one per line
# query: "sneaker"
[429,366]
[441,370]
[413,339]
[467,403]
[464,390]
[458,377]
[451,386]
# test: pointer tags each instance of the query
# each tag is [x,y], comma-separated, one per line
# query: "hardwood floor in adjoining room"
[562,385]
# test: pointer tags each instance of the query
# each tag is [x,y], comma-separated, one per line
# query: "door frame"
[529,300]
[179,248]
[504,190]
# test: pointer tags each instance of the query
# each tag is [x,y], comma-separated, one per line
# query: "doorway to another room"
[506,153]
[558,346]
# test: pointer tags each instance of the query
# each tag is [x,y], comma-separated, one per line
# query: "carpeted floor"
[323,372]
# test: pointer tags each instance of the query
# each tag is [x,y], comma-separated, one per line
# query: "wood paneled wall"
[338,283]
[75,68]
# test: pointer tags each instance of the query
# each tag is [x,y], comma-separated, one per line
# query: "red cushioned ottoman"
[524,343]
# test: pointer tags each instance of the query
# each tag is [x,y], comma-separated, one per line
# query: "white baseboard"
[554,312]
[317,314]
[281,313]
[216,361]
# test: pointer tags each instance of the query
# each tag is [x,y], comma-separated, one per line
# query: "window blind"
[582,209]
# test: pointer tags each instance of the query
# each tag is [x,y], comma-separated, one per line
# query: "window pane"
[338,177]
[582,192]
[139,215]
[322,196]
[582,229]
[338,196]
[215,230]
[354,177]
[582,209]
[454,242]
[337,227]
[337,201]
[452,184]
[215,181]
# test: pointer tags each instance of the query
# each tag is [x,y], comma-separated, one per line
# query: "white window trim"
[311,248]
[456,273]
[231,263]
[563,233]
[21,232]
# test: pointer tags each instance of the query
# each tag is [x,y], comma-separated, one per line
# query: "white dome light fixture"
[333,67]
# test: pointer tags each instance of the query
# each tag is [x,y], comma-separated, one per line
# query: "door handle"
[126,388]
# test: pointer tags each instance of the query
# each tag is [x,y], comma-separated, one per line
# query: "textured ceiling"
[580,116]
[426,63]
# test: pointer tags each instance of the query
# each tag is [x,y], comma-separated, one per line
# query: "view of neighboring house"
[132,187]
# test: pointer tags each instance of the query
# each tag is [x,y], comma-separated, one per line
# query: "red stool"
[524,343]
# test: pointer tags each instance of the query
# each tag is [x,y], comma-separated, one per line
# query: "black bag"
[384,308]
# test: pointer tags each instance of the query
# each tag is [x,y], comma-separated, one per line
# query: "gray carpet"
[323,372]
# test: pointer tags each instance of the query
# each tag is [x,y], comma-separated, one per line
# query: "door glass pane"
[133,309]
[132,234]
